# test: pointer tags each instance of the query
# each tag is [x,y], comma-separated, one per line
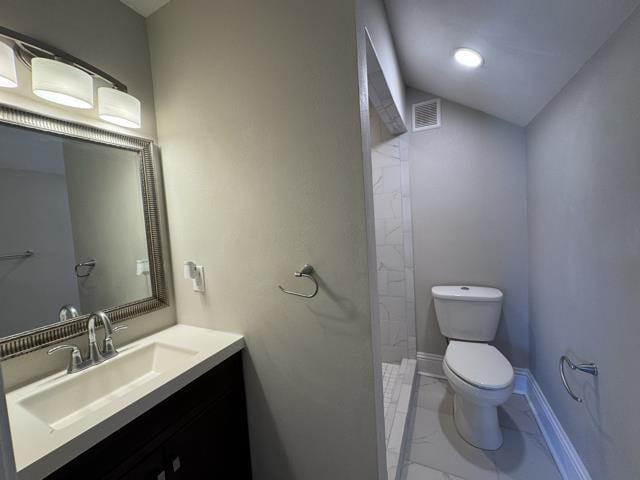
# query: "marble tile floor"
[389,377]
[435,450]
[398,384]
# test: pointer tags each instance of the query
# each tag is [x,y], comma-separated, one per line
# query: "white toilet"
[480,376]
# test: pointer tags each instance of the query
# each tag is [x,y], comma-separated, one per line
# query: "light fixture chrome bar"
[28,48]
[11,256]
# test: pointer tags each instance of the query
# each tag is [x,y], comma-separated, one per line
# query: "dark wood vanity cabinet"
[200,432]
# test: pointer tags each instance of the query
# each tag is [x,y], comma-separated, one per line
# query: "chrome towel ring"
[590,368]
[307,272]
[88,266]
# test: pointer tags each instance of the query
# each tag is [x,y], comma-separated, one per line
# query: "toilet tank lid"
[467,293]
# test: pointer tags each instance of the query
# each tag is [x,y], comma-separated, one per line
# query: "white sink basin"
[77,395]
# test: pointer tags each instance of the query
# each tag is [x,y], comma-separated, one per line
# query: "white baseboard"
[565,455]
[563,451]
[522,381]
[430,364]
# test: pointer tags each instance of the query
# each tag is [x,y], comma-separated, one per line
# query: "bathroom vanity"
[198,432]
[171,405]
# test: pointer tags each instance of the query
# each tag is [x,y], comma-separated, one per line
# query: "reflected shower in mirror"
[78,207]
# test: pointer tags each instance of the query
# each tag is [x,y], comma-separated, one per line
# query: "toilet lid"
[479,364]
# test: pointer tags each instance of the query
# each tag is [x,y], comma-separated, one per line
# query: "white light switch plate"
[198,282]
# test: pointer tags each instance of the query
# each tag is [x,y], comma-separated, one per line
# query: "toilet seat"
[479,364]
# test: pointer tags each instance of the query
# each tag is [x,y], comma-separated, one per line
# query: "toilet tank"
[467,312]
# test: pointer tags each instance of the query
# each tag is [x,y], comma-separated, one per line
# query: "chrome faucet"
[67,312]
[94,356]
[108,349]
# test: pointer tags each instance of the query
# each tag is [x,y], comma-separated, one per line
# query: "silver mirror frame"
[41,337]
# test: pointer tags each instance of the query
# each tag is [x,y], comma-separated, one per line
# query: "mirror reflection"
[73,237]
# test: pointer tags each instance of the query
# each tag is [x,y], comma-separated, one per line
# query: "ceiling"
[145,7]
[531,48]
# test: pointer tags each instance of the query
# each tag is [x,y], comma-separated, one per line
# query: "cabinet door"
[213,446]
[150,468]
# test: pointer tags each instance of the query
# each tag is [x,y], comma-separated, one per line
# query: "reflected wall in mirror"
[72,203]
[86,214]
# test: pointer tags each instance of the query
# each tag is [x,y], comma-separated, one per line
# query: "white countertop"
[41,449]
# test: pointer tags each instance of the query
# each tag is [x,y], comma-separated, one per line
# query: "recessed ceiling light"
[468,57]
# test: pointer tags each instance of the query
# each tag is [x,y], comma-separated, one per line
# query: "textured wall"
[374,17]
[105,201]
[468,188]
[258,119]
[34,210]
[584,204]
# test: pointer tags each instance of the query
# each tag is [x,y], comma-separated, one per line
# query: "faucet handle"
[75,361]
[117,328]
[108,350]
[57,348]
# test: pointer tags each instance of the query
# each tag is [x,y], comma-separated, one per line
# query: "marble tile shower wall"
[394,249]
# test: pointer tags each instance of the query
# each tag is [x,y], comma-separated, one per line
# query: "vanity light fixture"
[8,76]
[62,78]
[118,107]
[61,83]
[468,57]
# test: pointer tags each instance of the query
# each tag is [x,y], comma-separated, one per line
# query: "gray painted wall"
[264,172]
[34,213]
[468,194]
[584,207]
[373,15]
[105,201]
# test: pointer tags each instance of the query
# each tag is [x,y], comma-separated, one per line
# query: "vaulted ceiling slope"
[145,7]
[532,48]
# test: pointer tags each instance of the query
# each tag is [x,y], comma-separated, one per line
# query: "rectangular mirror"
[80,231]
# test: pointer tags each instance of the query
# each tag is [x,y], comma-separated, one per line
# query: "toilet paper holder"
[588,367]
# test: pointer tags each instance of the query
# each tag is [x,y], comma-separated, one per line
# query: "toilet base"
[477,424]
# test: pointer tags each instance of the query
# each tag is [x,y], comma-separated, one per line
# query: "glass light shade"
[118,107]
[468,57]
[61,83]
[8,77]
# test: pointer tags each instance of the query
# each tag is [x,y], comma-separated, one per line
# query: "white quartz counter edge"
[40,450]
